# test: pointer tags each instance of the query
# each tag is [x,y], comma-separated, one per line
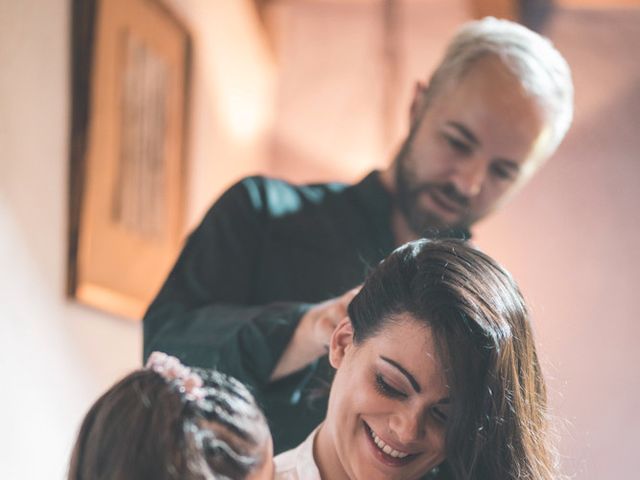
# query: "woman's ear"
[341,341]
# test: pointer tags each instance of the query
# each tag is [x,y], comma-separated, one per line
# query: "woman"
[436,371]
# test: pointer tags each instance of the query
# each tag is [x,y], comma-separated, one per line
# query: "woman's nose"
[407,427]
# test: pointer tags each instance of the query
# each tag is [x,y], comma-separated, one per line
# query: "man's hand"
[321,320]
[311,338]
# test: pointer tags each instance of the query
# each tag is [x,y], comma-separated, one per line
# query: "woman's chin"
[369,462]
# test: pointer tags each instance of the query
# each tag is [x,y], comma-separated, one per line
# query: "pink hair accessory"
[188,383]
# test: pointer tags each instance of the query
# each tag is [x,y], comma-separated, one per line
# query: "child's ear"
[341,341]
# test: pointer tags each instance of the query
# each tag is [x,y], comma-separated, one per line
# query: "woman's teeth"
[386,448]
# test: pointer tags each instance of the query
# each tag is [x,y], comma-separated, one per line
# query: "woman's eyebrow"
[402,370]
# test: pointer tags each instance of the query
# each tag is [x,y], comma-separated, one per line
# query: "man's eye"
[387,390]
[501,172]
[457,144]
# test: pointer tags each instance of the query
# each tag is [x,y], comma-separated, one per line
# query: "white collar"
[298,463]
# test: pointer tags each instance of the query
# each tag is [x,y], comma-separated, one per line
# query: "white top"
[298,463]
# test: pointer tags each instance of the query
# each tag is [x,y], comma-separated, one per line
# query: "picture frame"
[130,78]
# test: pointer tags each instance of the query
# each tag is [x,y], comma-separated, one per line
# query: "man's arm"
[203,313]
[310,339]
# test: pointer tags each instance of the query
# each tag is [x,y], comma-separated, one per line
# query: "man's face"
[477,142]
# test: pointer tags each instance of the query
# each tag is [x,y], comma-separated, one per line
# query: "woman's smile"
[381,421]
[385,452]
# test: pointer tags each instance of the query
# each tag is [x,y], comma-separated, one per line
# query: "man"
[243,296]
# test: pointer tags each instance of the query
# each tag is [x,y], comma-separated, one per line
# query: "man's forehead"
[486,73]
[490,109]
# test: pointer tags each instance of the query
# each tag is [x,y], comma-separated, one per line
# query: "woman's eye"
[458,145]
[387,390]
[439,414]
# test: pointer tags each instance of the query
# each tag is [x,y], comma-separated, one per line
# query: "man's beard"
[423,222]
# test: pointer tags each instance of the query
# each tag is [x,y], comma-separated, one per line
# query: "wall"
[570,238]
[56,357]
[340,111]
[231,100]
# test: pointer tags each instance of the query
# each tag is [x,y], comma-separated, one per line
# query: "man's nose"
[469,177]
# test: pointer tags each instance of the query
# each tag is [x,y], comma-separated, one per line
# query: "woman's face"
[388,405]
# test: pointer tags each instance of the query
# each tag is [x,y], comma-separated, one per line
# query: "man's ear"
[341,341]
[418,102]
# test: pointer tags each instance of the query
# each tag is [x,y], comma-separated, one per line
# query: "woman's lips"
[385,458]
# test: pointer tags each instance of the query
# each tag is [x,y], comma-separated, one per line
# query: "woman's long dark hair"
[143,428]
[497,428]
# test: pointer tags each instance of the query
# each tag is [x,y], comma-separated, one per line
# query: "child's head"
[167,422]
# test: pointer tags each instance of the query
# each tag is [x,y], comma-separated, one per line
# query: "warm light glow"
[240,68]
[246,107]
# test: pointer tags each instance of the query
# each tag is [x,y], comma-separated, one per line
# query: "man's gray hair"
[533,59]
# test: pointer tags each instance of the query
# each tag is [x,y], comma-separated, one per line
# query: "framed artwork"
[129,81]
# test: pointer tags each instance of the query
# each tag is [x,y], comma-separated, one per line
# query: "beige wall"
[231,99]
[569,238]
[56,357]
[332,97]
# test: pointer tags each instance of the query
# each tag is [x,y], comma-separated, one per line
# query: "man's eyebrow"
[402,370]
[465,132]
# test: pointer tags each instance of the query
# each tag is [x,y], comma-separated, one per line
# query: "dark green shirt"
[264,252]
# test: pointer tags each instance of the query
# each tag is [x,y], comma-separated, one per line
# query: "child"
[169,422]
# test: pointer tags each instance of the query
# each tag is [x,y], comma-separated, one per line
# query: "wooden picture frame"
[129,79]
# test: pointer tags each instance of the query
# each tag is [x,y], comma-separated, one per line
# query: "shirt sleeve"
[203,314]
